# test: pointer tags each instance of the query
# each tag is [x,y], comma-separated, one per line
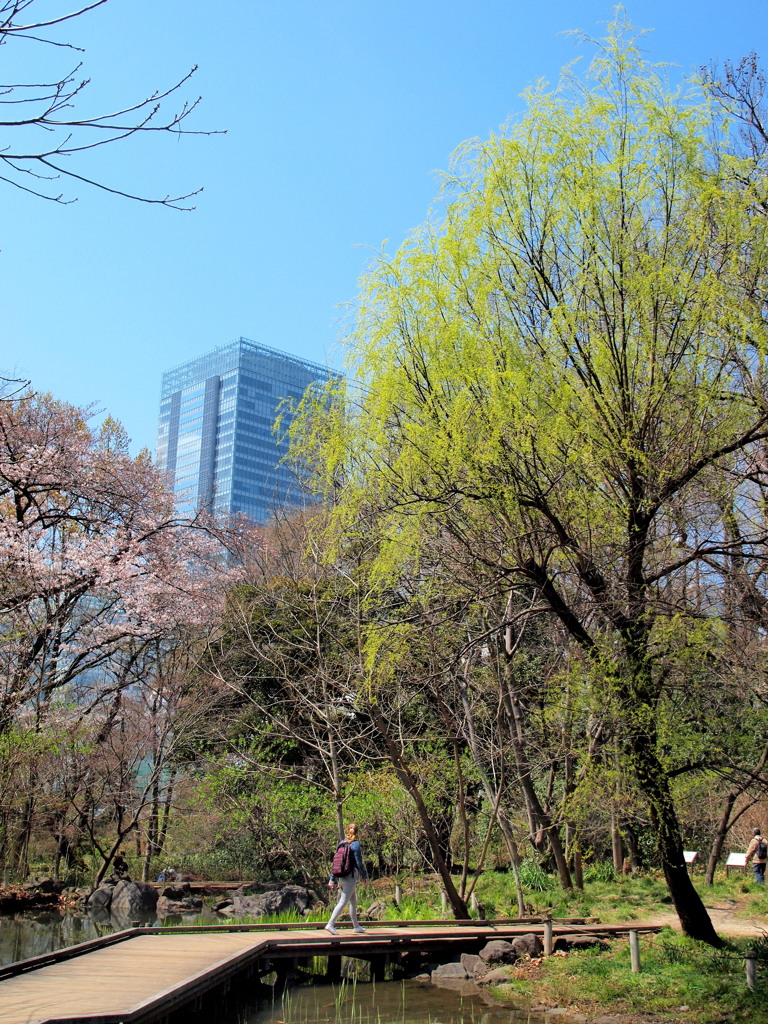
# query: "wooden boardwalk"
[143,974]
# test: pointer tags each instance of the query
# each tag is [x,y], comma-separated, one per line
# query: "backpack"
[343,861]
[761,853]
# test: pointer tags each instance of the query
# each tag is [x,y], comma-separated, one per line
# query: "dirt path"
[724,919]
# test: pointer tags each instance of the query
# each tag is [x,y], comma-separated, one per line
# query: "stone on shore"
[580,940]
[292,899]
[449,971]
[498,976]
[527,945]
[377,911]
[498,951]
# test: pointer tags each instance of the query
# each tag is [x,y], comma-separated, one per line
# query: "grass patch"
[614,899]
[676,973]
[625,898]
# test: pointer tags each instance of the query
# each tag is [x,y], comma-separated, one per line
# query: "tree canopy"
[563,373]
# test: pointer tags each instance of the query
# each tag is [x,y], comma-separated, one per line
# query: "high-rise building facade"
[215,434]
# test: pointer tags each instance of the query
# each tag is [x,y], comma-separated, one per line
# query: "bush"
[534,879]
[600,872]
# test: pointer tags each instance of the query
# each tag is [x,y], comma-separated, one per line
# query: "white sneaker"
[329,928]
[359,930]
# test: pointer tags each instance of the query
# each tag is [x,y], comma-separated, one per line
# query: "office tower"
[215,436]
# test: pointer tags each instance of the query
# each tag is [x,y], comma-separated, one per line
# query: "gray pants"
[348,895]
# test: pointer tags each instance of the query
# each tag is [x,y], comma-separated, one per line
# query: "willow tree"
[564,373]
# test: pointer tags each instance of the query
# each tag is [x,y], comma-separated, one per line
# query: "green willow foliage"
[573,346]
[561,381]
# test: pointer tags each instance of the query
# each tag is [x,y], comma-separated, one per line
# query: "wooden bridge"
[143,975]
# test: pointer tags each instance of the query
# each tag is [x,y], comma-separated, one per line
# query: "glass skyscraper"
[215,437]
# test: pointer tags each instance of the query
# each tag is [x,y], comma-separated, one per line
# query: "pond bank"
[17,899]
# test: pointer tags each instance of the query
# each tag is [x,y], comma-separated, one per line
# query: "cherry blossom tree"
[94,561]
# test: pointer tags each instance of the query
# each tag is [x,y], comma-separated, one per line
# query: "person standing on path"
[348,882]
[758,849]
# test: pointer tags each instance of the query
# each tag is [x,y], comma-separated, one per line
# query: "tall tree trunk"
[150,842]
[514,858]
[654,783]
[337,783]
[578,864]
[539,816]
[462,808]
[165,812]
[23,838]
[633,845]
[616,852]
[458,905]
[572,844]
[492,794]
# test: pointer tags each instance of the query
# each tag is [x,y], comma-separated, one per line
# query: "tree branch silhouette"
[51,107]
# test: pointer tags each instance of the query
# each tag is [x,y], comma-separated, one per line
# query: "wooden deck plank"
[120,978]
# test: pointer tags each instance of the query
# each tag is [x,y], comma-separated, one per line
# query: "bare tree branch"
[50,106]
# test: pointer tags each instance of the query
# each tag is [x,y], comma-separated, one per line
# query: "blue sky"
[338,116]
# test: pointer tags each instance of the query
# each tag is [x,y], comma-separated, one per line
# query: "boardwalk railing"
[68,952]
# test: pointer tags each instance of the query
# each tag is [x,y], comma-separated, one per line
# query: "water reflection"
[35,933]
[389,1003]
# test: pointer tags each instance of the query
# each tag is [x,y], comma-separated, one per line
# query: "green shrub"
[534,879]
[602,871]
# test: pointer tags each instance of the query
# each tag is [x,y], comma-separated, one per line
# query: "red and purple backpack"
[343,860]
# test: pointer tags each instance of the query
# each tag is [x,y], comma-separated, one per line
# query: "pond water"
[35,933]
[393,1002]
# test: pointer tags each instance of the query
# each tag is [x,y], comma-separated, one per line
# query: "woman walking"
[350,868]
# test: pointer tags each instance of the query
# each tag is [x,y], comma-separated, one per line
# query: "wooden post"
[443,902]
[548,945]
[378,967]
[634,950]
[333,970]
[398,893]
[750,964]
[474,906]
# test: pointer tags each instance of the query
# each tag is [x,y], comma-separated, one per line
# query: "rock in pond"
[188,905]
[449,971]
[290,899]
[101,898]
[131,899]
[473,964]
